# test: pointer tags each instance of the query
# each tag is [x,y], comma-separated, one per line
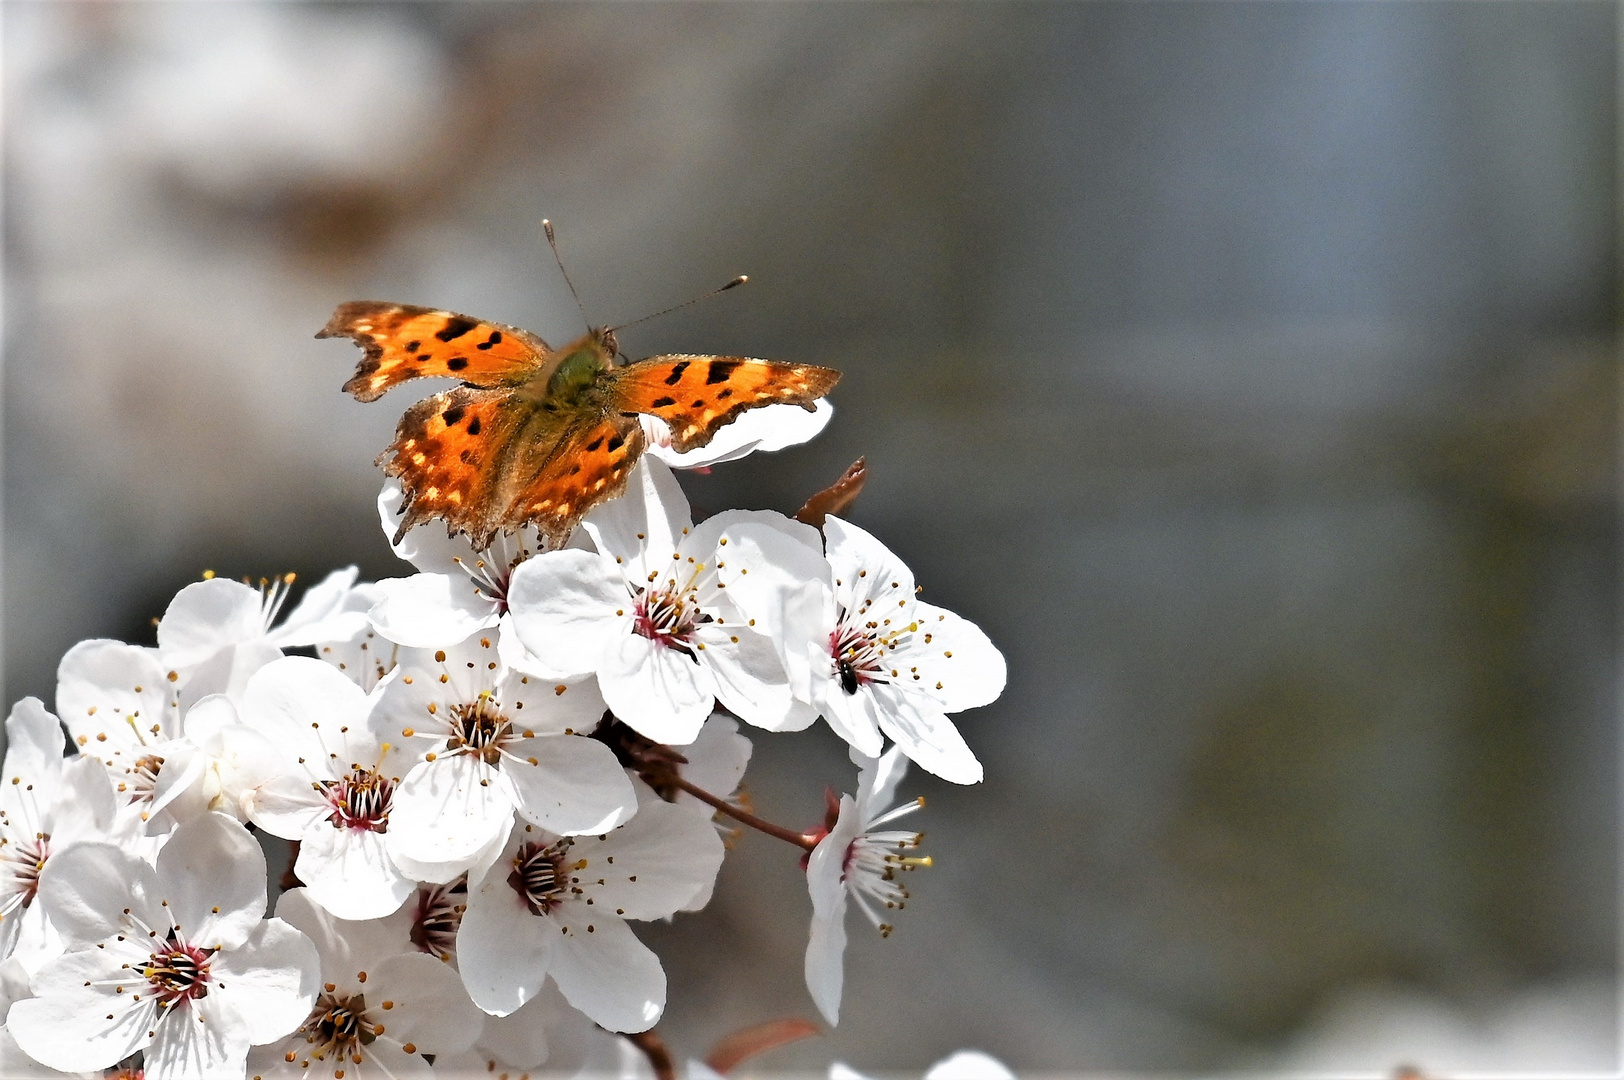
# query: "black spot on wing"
[494,339]
[473,426]
[721,371]
[662,402]
[724,393]
[592,446]
[455,327]
[452,415]
[456,363]
[614,444]
[413,346]
[676,373]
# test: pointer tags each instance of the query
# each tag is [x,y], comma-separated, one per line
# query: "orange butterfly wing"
[450,453]
[403,342]
[696,395]
[570,475]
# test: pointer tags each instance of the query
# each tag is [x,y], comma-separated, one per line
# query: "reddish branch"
[654,1049]
[801,840]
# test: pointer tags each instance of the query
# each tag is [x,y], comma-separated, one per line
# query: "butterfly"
[537,435]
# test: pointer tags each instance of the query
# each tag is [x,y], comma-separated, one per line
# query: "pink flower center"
[178,972]
[360,801]
[22,863]
[668,617]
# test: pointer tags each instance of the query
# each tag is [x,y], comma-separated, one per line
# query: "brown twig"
[800,840]
[659,1057]
[837,497]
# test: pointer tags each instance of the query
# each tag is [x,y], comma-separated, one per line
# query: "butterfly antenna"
[735,283]
[552,242]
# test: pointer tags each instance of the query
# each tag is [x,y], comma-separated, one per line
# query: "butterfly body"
[535,435]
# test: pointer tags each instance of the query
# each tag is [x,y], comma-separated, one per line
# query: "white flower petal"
[227,671]
[386,1060]
[67,1026]
[323,613]
[111,695]
[270,980]
[16,1065]
[854,717]
[547,1030]
[568,784]
[750,679]
[349,872]
[864,568]
[564,606]
[212,872]
[658,691]
[918,725]
[444,816]
[310,709]
[826,947]
[428,611]
[85,888]
[554,707]
[643,527]
[431,550]
[504,951]
[960,667]
[34,741]
[431,1009]
[179,787]
[772,427]
[205,617]
[672,852]
[86,806]
[286,806]
[204,1039]
[346,948]
[877,781]
[604,971]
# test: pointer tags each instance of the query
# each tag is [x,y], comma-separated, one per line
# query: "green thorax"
[578,367]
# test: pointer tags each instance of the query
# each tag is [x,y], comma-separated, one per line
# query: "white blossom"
[557,906]
[860,860]
[216,632]
[331,787]
[485,741]
[46,805]
[380,1009]
[175,961]
[649,613]
[873,658]
[119,705]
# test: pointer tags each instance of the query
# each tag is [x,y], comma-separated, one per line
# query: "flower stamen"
[540,875]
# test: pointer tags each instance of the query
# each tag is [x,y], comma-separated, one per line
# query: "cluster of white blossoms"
[489,770]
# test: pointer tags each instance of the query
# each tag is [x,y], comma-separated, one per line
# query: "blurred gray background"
[1248,371]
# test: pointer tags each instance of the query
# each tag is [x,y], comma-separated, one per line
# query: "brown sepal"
[837,497]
